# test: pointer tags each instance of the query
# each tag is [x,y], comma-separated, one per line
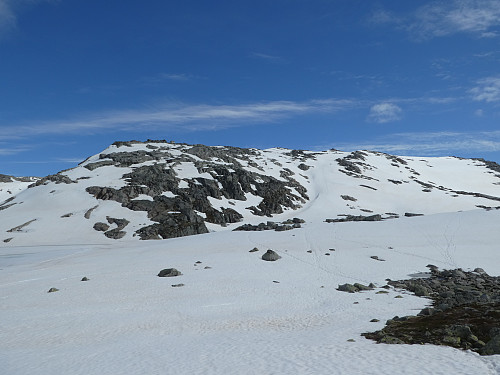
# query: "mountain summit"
[160,189]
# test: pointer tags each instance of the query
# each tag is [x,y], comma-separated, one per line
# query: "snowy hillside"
[229,311]
[157,190]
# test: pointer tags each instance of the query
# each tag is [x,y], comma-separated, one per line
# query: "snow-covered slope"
[156,190]
[230,312]
[10,186]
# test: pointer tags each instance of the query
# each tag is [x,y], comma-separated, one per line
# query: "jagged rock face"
[178,214]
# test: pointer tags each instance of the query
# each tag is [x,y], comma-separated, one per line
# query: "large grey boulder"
[270,256]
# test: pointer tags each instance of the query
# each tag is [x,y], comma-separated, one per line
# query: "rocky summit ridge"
[160,189]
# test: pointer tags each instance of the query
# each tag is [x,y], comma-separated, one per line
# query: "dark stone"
[169,272]
[101,227]
[89,212]
[348,198]
[115,234]
[357,287]
[270,256]
[410,214]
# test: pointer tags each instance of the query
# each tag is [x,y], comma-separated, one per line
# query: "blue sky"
[403,77]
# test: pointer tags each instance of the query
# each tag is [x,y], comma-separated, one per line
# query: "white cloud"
[186,117]
[432,144]
[384,112]
[487,90]
[441,18]
[13,150]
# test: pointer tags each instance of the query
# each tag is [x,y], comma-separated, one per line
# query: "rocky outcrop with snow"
[159,189]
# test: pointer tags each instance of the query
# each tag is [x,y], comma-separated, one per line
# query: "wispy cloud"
[9,10]
[432,144]
[13,149]
[384,16]
[175,77]
[442,18]
[185,117]
[487,90]
[163,77]
[445,17]
[384,112]
[7,16]
[264,56]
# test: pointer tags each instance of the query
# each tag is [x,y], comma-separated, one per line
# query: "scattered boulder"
[270,256]
[169,272]
[254,250]
[101,227]
[52,290]
[376,217]
[271,225]
[85,278]
[357,287]
[89,212]
[115,234]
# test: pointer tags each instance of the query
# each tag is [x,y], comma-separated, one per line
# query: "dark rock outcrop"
[177,213]
[353,288]
[376,217]
[465,312]
[56,178]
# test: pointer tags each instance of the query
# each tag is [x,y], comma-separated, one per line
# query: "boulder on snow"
[169,272]
[270,256]
[101,227]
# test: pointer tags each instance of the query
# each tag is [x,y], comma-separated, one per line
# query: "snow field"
[233,317]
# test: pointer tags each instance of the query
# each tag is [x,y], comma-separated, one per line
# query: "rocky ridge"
[166,189]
